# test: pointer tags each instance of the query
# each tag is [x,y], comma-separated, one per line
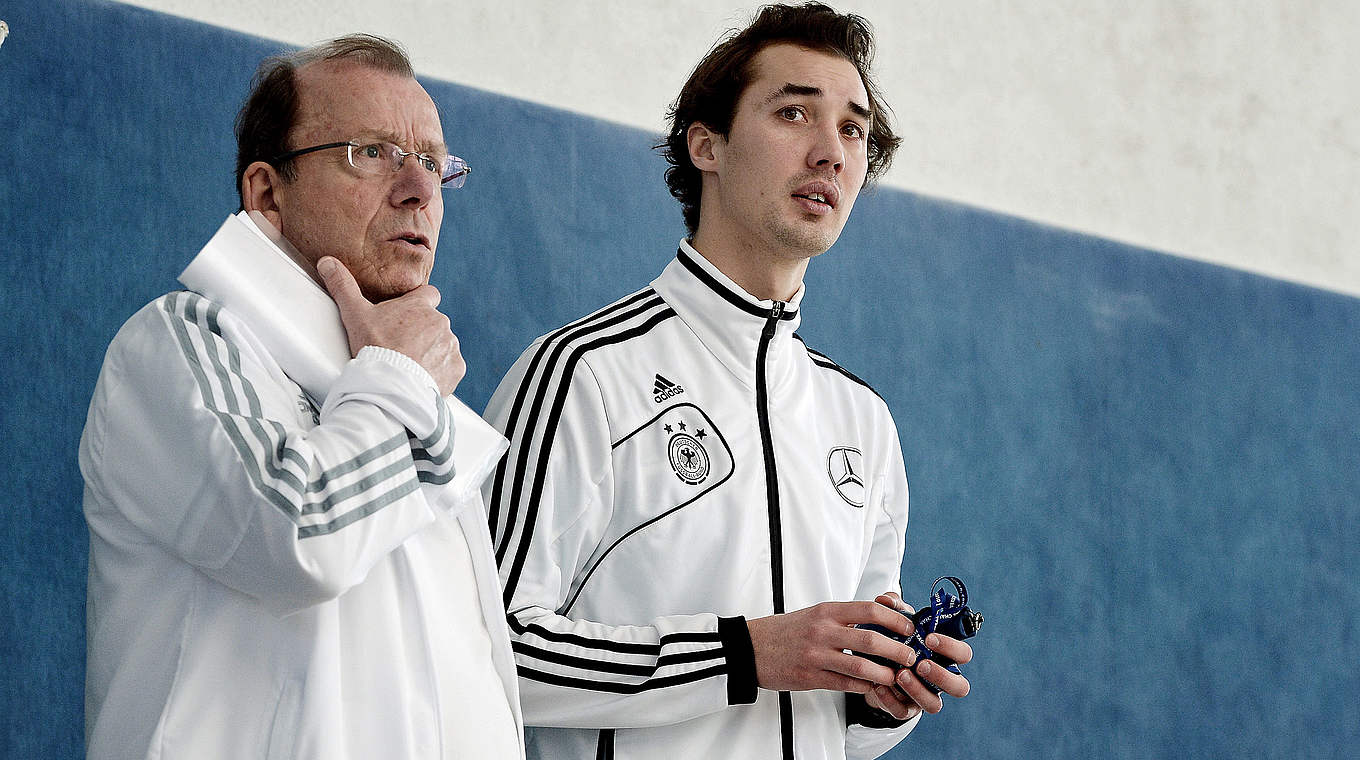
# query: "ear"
[705,147]
[261,186]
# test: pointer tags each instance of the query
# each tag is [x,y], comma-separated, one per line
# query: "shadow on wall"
[1143,467]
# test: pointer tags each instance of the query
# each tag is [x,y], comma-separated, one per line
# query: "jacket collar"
[726,319]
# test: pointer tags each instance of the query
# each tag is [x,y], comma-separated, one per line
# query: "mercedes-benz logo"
[844,465]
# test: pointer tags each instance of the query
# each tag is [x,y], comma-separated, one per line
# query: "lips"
[819,193]
[412,238]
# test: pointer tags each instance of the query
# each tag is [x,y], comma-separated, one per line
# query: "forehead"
[339,100]
[784,63]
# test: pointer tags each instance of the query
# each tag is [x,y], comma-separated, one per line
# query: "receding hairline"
[308,80]
[366,49]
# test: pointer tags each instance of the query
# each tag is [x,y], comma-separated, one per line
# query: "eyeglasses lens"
[382,157]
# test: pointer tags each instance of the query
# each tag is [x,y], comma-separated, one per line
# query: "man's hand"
[804,650]
[409,323]
[910,695]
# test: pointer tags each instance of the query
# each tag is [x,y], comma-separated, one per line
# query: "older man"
[270,579]
[697,508]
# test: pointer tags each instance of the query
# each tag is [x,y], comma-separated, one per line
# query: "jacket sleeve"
[870,735]
[550,503]
[199,442]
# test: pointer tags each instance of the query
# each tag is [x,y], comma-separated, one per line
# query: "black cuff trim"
[741,660]
[857,711]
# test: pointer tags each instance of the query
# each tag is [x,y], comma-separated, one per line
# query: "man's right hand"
[804,650]
[409,323]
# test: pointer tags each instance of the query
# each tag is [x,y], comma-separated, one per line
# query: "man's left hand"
[910,696]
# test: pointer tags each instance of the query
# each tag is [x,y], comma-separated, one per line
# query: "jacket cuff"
[741,660]
[400,361]
[857,711]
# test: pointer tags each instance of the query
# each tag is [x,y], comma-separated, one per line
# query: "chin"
[806,236]
[389,289]
[806,243]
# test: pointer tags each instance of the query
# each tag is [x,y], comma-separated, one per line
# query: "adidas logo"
[663,389]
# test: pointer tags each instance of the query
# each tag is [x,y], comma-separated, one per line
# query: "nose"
[827,150]
[414,185]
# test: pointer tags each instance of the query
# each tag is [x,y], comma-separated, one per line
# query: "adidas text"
[674,390]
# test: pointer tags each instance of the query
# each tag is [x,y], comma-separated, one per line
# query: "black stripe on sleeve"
[549,431]
[516,409]
[622,688]
[826,362]
[648,670]
[522,440]
[609,645]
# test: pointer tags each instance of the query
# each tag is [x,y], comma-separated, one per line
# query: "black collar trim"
[727,294]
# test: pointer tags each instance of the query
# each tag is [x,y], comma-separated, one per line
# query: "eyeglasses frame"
[444,182]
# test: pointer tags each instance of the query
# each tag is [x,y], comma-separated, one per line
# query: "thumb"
[341,285]
[892,599]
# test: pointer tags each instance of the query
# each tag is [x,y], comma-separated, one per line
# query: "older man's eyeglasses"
[380,157]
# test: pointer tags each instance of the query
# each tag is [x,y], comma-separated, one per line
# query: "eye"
[428,163]
[853,131]
[372,150]
[792,113]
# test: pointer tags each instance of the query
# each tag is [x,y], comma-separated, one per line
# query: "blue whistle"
[947,615]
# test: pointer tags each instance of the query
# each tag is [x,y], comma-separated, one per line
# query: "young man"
[692,497]
[269,579]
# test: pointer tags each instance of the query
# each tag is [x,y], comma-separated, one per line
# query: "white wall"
[1222,130]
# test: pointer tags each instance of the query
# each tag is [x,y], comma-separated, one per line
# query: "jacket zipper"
[772,499]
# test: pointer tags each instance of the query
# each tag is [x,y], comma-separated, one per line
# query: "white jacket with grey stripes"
[680,461]
[269,580]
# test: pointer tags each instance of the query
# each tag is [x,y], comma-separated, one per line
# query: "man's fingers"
[855,613]
[427,293]
[888,700]
[953,684]
[888,617]
[891,599]
[861,669]
[951,648]
[834,681]
[340,284]
[872,642]
[916,691]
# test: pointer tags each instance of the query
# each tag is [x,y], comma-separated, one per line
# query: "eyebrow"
[429,148]
[804,90]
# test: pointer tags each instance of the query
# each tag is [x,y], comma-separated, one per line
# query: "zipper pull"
[775,312]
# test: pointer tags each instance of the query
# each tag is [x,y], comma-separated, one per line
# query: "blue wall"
[1146,468]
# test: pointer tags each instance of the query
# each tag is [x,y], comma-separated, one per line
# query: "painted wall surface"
[1145,467]
[1223,131]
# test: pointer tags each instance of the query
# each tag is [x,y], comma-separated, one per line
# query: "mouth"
[413,238]
[819,197]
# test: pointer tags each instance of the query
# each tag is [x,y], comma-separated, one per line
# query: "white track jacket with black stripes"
[681,462]
[272,581]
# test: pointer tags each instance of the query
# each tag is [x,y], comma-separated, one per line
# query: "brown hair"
[715,86]
[267,116]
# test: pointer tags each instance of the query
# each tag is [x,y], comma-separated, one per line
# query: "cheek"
[862,166]
[853,182]
[436,209]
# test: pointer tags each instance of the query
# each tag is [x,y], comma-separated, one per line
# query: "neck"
[763,274]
